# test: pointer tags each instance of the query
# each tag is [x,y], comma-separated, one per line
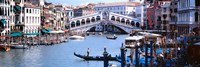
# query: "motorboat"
[74,37]
[133,41]
[111,37]
[4,47]
[19,46]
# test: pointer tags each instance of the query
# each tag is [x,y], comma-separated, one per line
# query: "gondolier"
[88,51]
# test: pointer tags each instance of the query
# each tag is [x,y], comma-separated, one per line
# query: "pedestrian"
[88,51]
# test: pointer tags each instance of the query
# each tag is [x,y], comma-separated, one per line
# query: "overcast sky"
[82,2]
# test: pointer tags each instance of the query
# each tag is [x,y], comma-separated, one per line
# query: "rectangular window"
[22,19]
[26,19]
[26,10]
[29,10]
[30,20]
[17,19]
[165,9]
[38,19]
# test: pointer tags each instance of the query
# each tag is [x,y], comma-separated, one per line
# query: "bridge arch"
[98,18]
[73,24]
[78,23]
[118,19]
[132,23]
[93,19]
[83,22]
[87,20]
[137,24]
[122,20]
[127,22]
[113,18]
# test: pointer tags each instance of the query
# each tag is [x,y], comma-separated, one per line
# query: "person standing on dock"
[88,51]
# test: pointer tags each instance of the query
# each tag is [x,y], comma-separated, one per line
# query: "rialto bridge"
[104,21]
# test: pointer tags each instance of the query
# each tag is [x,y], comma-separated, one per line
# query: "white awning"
[60,31]
[134,38]
[149,34]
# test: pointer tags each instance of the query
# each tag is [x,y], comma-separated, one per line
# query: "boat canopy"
[32,33]
[46,30]
[3,21]
[60,31]
[149,34]
[198,43]
[134,38]
[16,34]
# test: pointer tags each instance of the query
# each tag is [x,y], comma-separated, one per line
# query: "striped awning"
[32,34]
[16,34]
[3,21]
[17,8]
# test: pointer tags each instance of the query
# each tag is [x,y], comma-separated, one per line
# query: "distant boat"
[18,46]
[76,37]
[98,58]
[4,48]
[111,37]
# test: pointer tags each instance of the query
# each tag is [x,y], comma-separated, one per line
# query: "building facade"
[165,15]
[141,14]
[5,17]
[123,8]
[173,15]
[60,17]
[31,19]
[84,10]
[78,12]
[188,16]
[17,15]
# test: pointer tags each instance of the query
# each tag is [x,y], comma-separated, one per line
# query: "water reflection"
[61,55]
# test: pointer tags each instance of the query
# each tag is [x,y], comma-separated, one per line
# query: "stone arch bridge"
[104,21]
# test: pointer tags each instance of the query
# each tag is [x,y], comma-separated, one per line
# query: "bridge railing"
[122,24]
[86,25]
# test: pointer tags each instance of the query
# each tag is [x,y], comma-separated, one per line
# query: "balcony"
[186,22]
[187,8]
[19,23]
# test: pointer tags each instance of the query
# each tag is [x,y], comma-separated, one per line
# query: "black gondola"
[97,58]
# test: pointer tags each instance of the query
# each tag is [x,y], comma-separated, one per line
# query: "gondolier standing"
[88,51]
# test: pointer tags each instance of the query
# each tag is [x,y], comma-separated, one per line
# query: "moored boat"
[19,46]
[76,37]
[97,58]
[4,48]
[108,37]
[111,37]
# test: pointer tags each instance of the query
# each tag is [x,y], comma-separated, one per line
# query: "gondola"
[97,58]
[111,37]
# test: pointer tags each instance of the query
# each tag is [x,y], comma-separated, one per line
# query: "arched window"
[78,23]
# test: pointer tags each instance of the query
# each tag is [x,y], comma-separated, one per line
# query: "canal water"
[61,55]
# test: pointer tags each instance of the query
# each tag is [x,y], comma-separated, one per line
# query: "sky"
[82,2]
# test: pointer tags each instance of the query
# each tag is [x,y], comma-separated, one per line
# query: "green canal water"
[61,55]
